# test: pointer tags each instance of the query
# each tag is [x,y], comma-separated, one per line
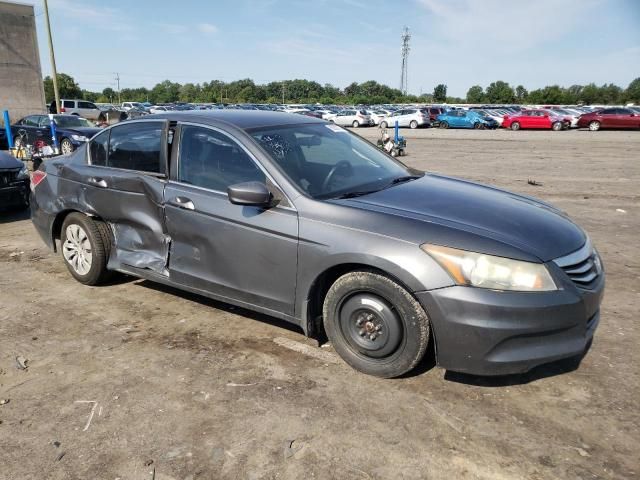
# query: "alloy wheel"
[76,249]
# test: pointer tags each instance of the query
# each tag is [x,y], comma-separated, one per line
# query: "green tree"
[475,94]
[500,92]
[440,93]
[521,94]
[164,92]
[67,87]
[632,93]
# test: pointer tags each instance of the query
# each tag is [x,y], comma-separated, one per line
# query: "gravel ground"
[139,381]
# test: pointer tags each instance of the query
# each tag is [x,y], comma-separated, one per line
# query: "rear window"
[98,149]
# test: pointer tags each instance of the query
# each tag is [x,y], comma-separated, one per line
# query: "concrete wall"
[21,89]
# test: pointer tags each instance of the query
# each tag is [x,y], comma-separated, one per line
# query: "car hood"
[7,161]
[86,131]
[524,223]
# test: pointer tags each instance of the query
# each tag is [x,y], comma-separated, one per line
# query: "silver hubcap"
[77,249]
[66,148]
[593,126]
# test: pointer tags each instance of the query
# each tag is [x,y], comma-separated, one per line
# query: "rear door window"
[87,105]
[136,146]
[98,149]
[69,104]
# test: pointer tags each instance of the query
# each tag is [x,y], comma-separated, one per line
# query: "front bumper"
[488,332]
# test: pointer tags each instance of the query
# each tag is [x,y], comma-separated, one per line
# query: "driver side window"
[212,160]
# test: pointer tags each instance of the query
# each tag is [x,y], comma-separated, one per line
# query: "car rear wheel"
[594,126]
[515,126]
[413,124]
[375,325]
[66,147]
[444,125]
[85,245]
[355,124]
[556,126]
[478,126]
[383,124]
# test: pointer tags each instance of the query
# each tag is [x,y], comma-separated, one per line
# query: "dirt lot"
[131,379]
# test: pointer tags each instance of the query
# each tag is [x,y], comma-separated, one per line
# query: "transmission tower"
[404,77]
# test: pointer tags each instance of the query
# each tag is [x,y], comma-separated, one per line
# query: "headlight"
[23,173]
[487,271]
[79,138]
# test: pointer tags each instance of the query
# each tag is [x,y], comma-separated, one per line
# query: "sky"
[456,42]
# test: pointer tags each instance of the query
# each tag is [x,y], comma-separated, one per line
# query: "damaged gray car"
[302,220]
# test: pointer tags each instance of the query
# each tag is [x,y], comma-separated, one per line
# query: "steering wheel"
[342,164]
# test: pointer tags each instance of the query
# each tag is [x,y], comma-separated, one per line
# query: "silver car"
[407,117]
[351,118]
[83,108]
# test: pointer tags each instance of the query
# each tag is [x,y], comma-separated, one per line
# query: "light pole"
[54,73]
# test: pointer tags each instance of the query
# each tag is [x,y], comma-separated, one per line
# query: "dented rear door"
[124,183]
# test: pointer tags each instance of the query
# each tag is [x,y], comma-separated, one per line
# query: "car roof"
[244,119]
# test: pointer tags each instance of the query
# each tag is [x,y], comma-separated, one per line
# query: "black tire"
[477,125]
[372,303]
[444,125]
[99,238]
[594,125]
[515,126]
[383,124]
[557,126]
[413,124]
[66,147]
[355,124]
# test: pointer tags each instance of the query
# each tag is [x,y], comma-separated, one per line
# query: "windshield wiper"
[406,178]
[355,194]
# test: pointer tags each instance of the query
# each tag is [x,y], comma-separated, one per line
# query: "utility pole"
[118,83]
[54,73]
[404,76]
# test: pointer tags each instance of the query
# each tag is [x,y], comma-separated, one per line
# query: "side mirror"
[249,193]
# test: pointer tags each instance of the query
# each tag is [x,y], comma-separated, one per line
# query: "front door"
[238,252]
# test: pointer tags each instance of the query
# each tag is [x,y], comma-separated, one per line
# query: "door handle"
[97,182]
[183,202]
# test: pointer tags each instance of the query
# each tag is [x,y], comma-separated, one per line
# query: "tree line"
[370,92]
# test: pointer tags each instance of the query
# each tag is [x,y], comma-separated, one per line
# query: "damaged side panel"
[131,203]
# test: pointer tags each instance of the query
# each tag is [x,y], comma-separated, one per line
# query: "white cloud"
[207,28]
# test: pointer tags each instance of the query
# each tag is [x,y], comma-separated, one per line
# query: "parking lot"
[140,381]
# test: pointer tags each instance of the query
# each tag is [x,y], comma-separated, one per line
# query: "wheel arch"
[56,226]
[312,308]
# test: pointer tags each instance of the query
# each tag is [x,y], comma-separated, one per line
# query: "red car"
[543,119]
[610,118]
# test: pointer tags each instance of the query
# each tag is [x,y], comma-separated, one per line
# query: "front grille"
[8,176]
[582,266]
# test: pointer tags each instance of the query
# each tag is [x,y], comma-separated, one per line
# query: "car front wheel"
[85,245]
[375,325]
[383,124]
[66,147]
[444,125]
[594,126]
[515,126]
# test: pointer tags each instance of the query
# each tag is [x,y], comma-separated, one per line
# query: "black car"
[300,219]
[14,182]
[71,131]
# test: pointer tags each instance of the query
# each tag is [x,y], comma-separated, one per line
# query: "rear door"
[245,253]
[27,128]
[608,117]
[123,183]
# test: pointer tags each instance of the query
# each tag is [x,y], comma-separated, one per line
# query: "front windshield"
[326,161]
[72,121]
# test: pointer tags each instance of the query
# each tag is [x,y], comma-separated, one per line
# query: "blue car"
[71,131]
[465,119]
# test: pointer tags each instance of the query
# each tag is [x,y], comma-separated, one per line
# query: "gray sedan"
[299,219]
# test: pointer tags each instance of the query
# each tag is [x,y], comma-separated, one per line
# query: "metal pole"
[53,58]
[7,128]
[118,80]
